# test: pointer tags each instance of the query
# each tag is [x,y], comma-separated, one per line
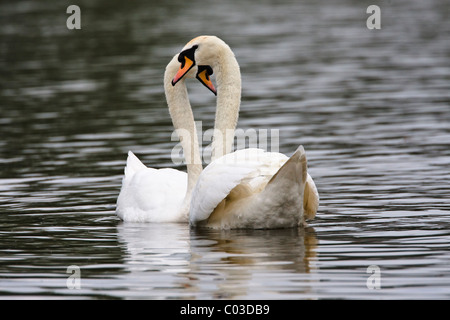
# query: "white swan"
[248,188]
[163,195]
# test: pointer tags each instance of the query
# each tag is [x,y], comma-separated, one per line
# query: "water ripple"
[370,107]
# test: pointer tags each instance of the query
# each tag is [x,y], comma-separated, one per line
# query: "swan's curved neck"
[228,77]
[183,121]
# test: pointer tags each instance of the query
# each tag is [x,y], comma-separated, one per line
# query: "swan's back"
[133,165]
[251,169]
[150,195]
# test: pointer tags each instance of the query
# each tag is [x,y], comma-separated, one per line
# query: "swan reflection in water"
[205,263]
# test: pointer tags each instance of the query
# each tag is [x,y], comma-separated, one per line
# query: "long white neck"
[183,121]
[228,80]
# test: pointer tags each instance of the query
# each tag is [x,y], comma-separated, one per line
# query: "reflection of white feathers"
[171,260]
[161,247]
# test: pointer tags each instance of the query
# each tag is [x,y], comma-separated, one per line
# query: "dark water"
[371,108]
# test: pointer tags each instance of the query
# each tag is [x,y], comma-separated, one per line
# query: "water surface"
[371,108]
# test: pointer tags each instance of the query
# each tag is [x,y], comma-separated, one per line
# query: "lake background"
[371,108]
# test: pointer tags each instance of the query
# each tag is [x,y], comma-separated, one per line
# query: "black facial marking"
[189,53]
[209,71]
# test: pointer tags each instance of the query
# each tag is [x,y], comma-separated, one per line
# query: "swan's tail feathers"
[310,199]
[288,184]
[293,171]
[133,165]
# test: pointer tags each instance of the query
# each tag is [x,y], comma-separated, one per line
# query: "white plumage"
[248,188]
[251,188]
[163,195]
[252,166]
[151,195]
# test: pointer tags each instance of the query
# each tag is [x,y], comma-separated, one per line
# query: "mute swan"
[163,195]
[248,188]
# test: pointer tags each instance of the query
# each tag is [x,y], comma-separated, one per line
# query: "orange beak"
[185,67]
[203,77]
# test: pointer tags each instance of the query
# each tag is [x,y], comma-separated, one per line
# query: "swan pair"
[249,188]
